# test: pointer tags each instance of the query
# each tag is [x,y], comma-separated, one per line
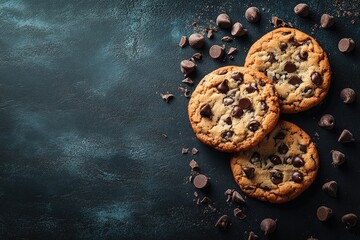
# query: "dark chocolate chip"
[326,21]
[278,22]
[302,10]
[346,45]
[250,89]
[245,103]
[348,95]
[216,51]
[228,121]
[330,188]
[249,172]
[316,78]
[303,55]
[268,226]
[271,58]
[252,14]
[283,149]
[338,158]
[295,80]
[194,165]
[290,67]
[187,67]
[253,125]
[275,79]
[197,56]
[196,40]
[255,157]
[262,83]
[297,177]
[237,111]
[205,111]
[276,177]
[229,192]
[223,222]
[236,197]
[253,236]
[222,72]
[263,105]
[302,148]
[167,97]
[200,181]
[226,39]
[188,81]
[228,101]
[223,87]
[298,162]
[280,135]
[183,41]
[232,50]
[238,76]
[275,159]
[283,46]
[223,21]
[346,136]
[239,213]
[294,43]
[238,30]
[350,220]
[327,121]
[227,135]
[324,213]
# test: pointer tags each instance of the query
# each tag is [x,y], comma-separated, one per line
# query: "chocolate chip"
[197,56]
[326,21]
[229,192]
[228,101]
[338,158]
[188,81]
[187,67]
[294,43]
[194,165]
[283,149]
[280,135]
[223,21]
[346,136]
[297,177]
[253,236]
[298,162]
[205,111]
[200,181]
[350,220]
[271,58]
[348,95]
[167,97]
[263,105]
[268,226]
[223,87]
[290,67]
[283,46]
[278,22]
[245,103]
[237,76]
[228,121]
[308,92]
[252,14]
[237,111]
[232,50]
[276,177]
[302,148]
[223,222]
[275,159]
[324,213]
[196,40]
[236,197]
[330,188]
[295,80]
[183,41]
[327,121]
[238,30]
[185,91]
[194,151]
[226,39]
[216,51]
[249,172]
[316,78]
[303,55]
[253,125]
[227,135]
[250,89]
[302,10]
[255,157]
[239,213]
[346,45]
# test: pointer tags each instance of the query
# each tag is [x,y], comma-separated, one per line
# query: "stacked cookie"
[236,109]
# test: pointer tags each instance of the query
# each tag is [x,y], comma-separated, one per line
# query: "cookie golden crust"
[280,167]
[297,65]
[233,108]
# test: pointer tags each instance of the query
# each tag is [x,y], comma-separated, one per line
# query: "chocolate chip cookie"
[296,64]
[280,167]
[233,108]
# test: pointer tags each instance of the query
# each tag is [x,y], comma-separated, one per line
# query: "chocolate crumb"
[184,150]
[188,81]
[232,50]
[205,200]
[223,222]
[167,97]
[239,213]
[194,165]
[194,151]
[226,39]
[183,42]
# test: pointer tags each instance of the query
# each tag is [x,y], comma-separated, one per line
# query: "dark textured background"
[82,151]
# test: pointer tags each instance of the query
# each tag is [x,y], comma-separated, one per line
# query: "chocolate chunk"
[187,67]
[228,101]
[236,197]
[283,149]
[226,39]
[200,181]
[298,162]
[263,105]
[350,220]
[271,58]
[348,95]
[268,226]
[302,10]
[194,151]
[252,14]
[261,83]
[253,236]
[185,91]
[223,87]
[276,177]
[346,136]
[326,21]
[196,40]
[245,103]
[324,213]
[290,67]
[278,22]
[280,135]
[275,159]
[316,78]
[308,92]
[283,46]
[205,111]
[302,148]
[227,135]
[295,80]
[249,172]
[303,55]
[346,45]
[223,222]
[223,21]
[255,157]
[183,41]
[297,177]
[216,51]
[238,30]
[188,81]
[167,97]
[232,50]
[338,158]
[238,76]
[228,121]
[197,56]
[294,43]
[253,125]
[184,151]
[239,213]
[210,34]
[250,89]
[194,165]
[237,111]
[229,192]
[327,121]
[330,188]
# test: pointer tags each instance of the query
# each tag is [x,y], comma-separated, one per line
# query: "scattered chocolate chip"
[255,157]
[216,51]
[338,158]
[302,10]
[327,121]
[238,76]
[303,55]
[231,57]
[294,43]
[263,105]
[187,67]
[194,165]
[223,21]
[232,51]
[297,177]
[350,220]
[316,78]
[184,151]
[253,236]
[250,89]
[194,151]
[283,149]
[346,136]
[324,213]
[290,67]
[253,125]
[188,81]
[268,226]
[167,97]
[183,41]
[228,101]
[298,162]
[330,188]
[236,197]
[295,80]
[326,21]
[271,58]
[346,45]
[227,135]
[185,91]
[205,200]
[200,181]
[229,192]
[348,95]
[245,103]
[223,222]
[237,111]
[238,30]
[275,159]
[205,111]
[276,177]
[249,171]
[252,14]
[279,135]
[239,213]
[196,40]
[210,34]
[283,46]
[228,121]
[226,39]
[197,56]
[302,148]
[278,22]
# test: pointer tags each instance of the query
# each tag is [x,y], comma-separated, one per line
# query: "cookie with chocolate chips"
[280,167]
[296,64]
[233,108]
